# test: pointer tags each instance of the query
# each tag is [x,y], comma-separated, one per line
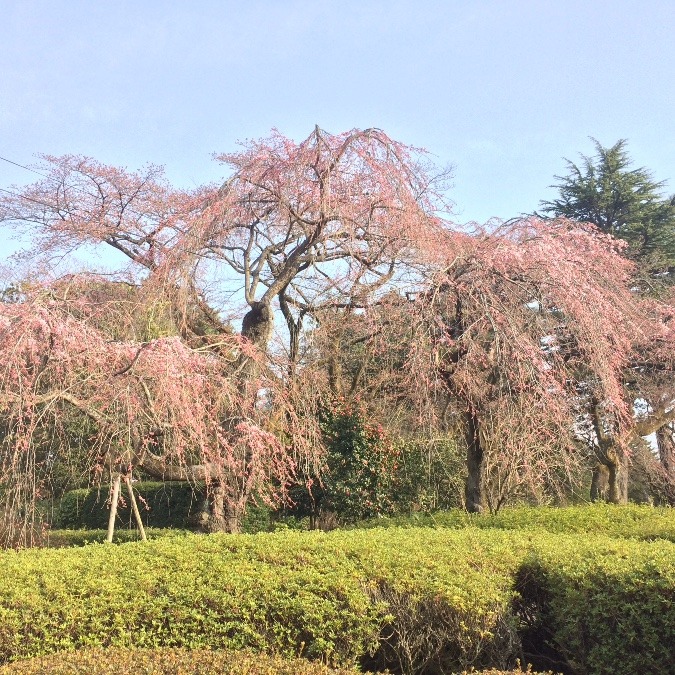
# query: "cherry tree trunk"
[599,483]
[666,444]
[610,481]
[257,325]
[474,491]
[216,520]
[222,516]
[618,483]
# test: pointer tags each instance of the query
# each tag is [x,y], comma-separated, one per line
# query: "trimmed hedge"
[413,600]
[604,607]
[631,522]
[166,505]
[166,662]
[174,661]
[337,597]
[162,505]
[63,538]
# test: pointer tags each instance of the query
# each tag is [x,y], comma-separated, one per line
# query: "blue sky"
[501,90]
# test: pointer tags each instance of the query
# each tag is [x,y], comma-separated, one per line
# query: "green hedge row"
[162,505]
[64,538]
[602,608]
[632,521]
[167,662]
[413,600]
[175,661]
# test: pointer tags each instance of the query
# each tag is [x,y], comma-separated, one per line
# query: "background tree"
[650,379]
[628,204]
[530,328]
[519,339]
[382,456]
[622,201]
[326,218]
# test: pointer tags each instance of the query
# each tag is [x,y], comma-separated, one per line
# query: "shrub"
[628,522]
[495,671]
[414,600]
[65,538]
[359,476]
[174,661]
[166,662]
[632,521]
[604,606]
[430,475]
[289,592]
[162,505]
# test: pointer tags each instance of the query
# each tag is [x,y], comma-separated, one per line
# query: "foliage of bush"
[430,475]
[64,538]
[337,597]
[606,607]
[496,671]
[367,474]
[360,469]
[119,661]
[414,600]
[162,505]
[630,522]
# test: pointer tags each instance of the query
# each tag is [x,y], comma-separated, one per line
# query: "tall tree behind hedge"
[622,201]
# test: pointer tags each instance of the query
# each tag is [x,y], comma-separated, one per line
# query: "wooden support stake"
[134,506]
[113,508]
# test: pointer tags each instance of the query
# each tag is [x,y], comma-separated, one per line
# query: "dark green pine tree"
[624,202]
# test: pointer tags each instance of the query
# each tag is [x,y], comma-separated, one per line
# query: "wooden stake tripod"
[123,474]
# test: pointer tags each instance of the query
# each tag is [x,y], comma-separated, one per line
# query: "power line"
[53,180]
[21,166]
[54,207]
[29,199]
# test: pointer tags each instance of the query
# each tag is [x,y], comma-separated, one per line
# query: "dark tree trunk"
[221,515]
[600,483]
[474,491]
[618,483]
[257,325]
[665,438]
[294,330]
[610,478]
[215,520]
[666,445]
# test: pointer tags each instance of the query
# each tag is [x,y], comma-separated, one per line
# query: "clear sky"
[502,90]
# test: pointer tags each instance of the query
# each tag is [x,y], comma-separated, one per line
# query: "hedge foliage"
[605,609]
[114,661]
[63,538]
[440,600]
[162,505]
[336,597]
[631,522]
[166,662]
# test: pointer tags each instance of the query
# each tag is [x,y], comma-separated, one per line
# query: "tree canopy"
[524,338]
[330,221]
[620,200]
